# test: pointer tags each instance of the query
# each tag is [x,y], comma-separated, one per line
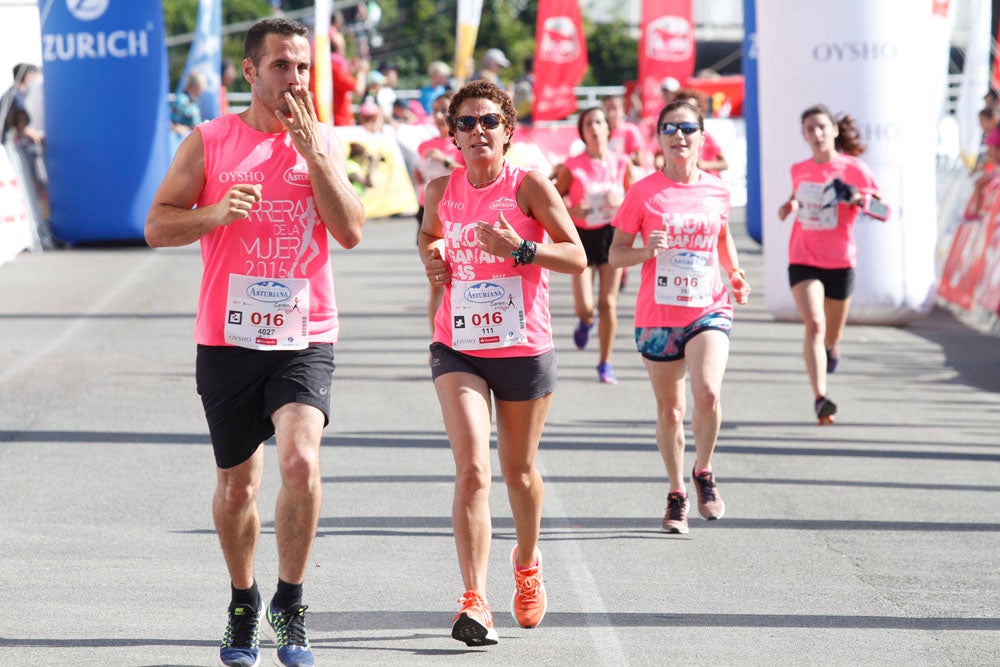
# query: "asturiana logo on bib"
[87,10]
[298,175]
[270,291]
[484,293]
[688,260]
[503,204]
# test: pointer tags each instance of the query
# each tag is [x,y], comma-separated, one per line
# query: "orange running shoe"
[528,604]
[473,624]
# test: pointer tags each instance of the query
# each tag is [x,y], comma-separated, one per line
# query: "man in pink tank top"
[263,191]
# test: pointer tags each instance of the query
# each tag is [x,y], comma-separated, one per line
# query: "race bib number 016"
[684,278]
[268,314]
[487,314]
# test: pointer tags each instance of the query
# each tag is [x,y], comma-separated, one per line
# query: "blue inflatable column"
[752,120]
[106,116]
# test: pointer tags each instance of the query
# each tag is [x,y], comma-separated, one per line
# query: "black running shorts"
[240,390]
[509,378]
[597,243]
[837,283]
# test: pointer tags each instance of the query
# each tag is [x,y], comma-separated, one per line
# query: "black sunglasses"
[489,121]
[671,128]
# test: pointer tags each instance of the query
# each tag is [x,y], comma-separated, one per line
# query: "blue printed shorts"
[667,343]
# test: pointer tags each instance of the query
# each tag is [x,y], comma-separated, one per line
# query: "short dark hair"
[253,45]
[582,118]
[485,90]
[22,70]
[685,104]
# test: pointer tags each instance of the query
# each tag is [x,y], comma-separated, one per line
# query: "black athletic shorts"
[509,378]
[240,390]
[597,243]
[838,284]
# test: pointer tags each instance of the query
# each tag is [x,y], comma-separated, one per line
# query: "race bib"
[267,314]
[817,206]
[684,278]
[487,314]
[603,200]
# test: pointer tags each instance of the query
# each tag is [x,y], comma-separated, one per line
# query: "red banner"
[995,75]
[666,49]
[560,59]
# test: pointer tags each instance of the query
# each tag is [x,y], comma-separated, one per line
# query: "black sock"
[287,596]
[250,596]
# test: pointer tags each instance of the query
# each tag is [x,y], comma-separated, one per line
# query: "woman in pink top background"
[484,238]
[828,191]
[438,157]
[595,182]
[683,314]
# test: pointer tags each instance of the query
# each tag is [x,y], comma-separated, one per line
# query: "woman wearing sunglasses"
[828,191]
[483,237]
[595,182]
[683,313]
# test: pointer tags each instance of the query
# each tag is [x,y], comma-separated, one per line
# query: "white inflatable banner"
[17,225]
[874,61]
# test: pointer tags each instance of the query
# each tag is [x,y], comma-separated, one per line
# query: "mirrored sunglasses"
[489,121]
[671,128]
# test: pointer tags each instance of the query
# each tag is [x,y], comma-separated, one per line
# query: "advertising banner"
[205,55]
[666,49]
[322,81]
[856,57]
[466,31]
[560,59]
[107,118]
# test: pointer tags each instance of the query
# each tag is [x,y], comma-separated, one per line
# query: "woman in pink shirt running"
[828,191]
[595,182]
[683,313]
[491,233]
[438,157]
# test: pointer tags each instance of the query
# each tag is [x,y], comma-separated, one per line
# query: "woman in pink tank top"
[594,183]
[683,313]
[438,157]
[491,233]
[828,193]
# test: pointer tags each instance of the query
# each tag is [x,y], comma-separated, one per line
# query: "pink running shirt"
[626,139]
[461,206]
[283,237]
[823,233]
[710,152]
[693,215]
[431,169]
[593,180]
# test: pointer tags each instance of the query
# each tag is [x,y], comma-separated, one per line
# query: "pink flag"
[560,59]
[666,49]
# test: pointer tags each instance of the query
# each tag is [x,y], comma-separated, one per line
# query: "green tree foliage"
[416,32]
[179,18]
[613,54]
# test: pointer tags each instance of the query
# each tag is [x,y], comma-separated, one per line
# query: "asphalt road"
[874,541]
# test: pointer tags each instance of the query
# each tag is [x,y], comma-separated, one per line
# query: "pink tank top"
[283,237]
[475,272]
[682,283]
[593,181]
[431,169]
[823,233]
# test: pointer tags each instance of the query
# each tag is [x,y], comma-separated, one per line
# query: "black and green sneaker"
[241,643]
[288,629]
